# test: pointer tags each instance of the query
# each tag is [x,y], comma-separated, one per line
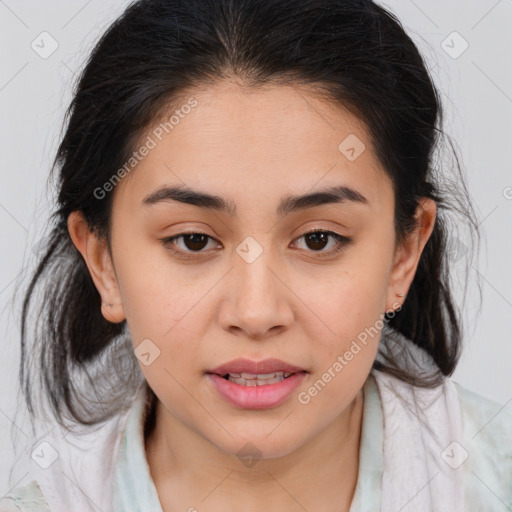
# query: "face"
[269,276]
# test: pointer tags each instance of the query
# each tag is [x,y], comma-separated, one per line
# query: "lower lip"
[256,397]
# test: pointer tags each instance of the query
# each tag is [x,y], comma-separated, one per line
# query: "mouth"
[246,372]
[245,390]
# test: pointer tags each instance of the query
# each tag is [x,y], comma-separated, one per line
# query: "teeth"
[252,376]
[260,379]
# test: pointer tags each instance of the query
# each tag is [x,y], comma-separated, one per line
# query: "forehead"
[256,144]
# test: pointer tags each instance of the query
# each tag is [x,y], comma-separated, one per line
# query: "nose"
[257,301]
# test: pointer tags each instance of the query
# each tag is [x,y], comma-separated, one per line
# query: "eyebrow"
[288,204]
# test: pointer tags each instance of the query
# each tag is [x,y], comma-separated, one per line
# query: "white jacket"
[444,449]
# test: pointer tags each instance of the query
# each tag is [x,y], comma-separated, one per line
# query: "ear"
[407,255]
[97,257]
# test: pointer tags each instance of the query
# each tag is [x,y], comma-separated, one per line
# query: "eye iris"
[191,240]
[315,236]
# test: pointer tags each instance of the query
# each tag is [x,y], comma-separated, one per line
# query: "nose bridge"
[252,259]
[258,301]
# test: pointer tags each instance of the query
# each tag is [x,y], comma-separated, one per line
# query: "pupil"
[191,241]
[315,236]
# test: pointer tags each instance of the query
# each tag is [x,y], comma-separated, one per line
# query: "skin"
[253,146]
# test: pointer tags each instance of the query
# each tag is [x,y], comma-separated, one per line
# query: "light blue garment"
[135,491]
[487,472]
[27,499]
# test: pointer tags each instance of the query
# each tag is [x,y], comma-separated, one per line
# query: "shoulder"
[472,435]
[485,420]
[487,448]
[27,498]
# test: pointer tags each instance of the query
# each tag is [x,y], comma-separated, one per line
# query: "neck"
[321,474]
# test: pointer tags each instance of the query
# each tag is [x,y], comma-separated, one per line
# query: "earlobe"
[97,258]
[407,255]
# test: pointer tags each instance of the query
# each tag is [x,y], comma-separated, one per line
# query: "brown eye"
[191,242]
[318,240]
[195,241]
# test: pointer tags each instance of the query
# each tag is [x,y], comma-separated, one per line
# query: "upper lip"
[256,367]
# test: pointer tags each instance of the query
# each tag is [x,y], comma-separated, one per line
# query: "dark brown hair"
[355,52]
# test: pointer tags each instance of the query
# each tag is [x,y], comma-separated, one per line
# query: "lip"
[256,367]
[256,397]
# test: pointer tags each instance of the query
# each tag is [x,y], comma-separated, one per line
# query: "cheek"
[344,350]
[350,297]
[164,312]
[348,309]
[157,292]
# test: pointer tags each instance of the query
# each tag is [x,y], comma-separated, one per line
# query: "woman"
[250,303]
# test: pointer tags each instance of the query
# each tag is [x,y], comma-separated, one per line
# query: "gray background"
[476,90]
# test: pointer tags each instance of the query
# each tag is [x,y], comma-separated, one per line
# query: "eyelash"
[342,242]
